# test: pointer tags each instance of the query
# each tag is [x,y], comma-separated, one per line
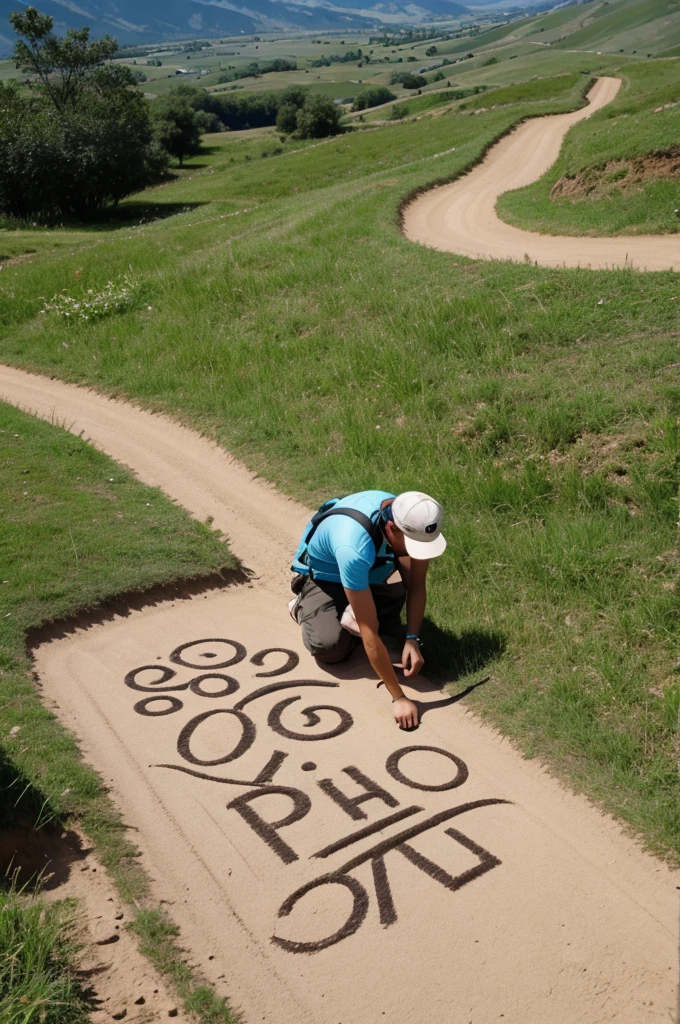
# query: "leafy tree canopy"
[73,59]
[318,118]
[373,98]
[81,138]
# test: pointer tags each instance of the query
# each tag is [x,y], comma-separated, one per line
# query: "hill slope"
[154,21]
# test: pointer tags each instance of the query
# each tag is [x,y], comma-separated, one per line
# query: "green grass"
[77,530]
[38,962]
[290,320]
[569,88]
[537,90]
[625,129]
[412,106]
[644,25]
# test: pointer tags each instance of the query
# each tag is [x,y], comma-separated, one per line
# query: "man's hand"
[411,659]
[405,712]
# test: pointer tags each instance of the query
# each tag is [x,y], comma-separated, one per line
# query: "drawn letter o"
[393,769]
[245,743]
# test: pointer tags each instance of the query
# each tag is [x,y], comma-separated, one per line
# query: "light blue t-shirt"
[341,550]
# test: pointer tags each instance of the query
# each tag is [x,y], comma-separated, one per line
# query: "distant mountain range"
[149,21]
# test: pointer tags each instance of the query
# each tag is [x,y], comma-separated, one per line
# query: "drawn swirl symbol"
[292,661]
[143,707]
[245,743]
[351,925]
[177,656]
[274,720]
[155,686]
[231,687]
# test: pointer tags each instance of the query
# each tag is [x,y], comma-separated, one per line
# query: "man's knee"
[329,651]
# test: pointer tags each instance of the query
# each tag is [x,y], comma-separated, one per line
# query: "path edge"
[419,190]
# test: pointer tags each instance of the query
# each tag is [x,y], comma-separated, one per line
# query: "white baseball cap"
[419,517]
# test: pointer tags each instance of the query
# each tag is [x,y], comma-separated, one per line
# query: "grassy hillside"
[597,165]
[645,25]
[284,313]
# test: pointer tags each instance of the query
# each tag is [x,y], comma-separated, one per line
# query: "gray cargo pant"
[320,606]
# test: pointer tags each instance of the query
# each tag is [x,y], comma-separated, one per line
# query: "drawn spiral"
[178,655]
[275,724]
[155,687]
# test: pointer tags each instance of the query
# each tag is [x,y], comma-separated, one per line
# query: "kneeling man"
[348,551]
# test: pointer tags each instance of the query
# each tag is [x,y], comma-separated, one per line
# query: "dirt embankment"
[617,176]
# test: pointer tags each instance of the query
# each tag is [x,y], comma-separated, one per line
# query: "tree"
[431,51]
[373,98]
[80,137]
[292,99]
[72,59]
[286,119]
[207,122]
[176,126]
[408,80]
[318,118]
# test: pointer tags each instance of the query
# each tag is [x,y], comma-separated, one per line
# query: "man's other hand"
[405,713]
[411,659]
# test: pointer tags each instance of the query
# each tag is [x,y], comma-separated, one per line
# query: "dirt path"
[461,217]
[325,868]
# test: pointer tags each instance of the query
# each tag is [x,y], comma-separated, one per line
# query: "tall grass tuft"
[38,973]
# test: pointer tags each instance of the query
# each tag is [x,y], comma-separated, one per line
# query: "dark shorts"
[320,606]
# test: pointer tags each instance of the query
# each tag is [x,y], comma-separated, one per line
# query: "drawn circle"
[292,661]
[240,652]
[351,925]
[231,687]
[245,743]
[142,706]
[274,720]
[156,686]
[393,769]
[308,766]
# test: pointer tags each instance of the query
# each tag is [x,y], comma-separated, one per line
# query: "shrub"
[207,122]
[286,119]
[399,110]
[318,118]
[373,98]
[114,298]
[408,80]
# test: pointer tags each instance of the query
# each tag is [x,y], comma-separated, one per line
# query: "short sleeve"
[353,568]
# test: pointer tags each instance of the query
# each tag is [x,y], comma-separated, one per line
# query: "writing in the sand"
[162,683]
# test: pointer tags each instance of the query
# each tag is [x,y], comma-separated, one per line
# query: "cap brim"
[421,550]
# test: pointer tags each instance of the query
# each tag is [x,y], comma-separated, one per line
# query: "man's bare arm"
[413,572]
[366,616]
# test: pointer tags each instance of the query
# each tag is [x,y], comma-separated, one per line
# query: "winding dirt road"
[461,217]
[323,867]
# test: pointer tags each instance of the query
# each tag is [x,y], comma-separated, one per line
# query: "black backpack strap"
[373,529]
[327,509]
